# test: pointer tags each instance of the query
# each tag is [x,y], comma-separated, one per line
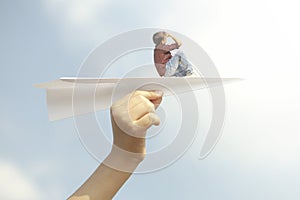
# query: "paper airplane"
[70,96]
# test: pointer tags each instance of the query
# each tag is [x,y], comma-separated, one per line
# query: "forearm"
[126,154]
[105,182]
[176,40]
[134,112]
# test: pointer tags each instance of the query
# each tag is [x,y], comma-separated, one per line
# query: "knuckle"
[136,99]
[148,121]
[148,106]
[136,93]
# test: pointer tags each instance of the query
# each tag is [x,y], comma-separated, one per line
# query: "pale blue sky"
[258,154]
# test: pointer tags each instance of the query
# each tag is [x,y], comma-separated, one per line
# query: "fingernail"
[159,92]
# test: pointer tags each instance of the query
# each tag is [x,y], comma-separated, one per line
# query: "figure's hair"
[158,37]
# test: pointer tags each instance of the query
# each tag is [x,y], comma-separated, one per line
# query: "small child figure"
[166,64]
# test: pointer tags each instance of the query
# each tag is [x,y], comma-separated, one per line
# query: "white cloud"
[76,12]
[79,22]
[92,21]
[15,185]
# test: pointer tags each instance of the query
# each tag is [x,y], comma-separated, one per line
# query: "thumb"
[148,120]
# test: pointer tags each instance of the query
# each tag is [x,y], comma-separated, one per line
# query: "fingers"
[148,120]
[142,108]
[134,101]
[135,112]
[151,95]
[156,102]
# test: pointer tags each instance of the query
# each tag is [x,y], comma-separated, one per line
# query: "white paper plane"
[73,96]
[70,96]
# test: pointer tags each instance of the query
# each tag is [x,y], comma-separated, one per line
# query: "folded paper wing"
[68,97]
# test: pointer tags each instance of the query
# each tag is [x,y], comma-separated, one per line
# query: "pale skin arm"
[131,116]
[175,39]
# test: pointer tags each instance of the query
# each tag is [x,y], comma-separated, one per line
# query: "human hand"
[131,116]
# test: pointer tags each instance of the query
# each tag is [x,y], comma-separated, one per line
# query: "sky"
[257,156]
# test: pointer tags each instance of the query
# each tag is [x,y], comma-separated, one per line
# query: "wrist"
[128,142]
[122,160]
